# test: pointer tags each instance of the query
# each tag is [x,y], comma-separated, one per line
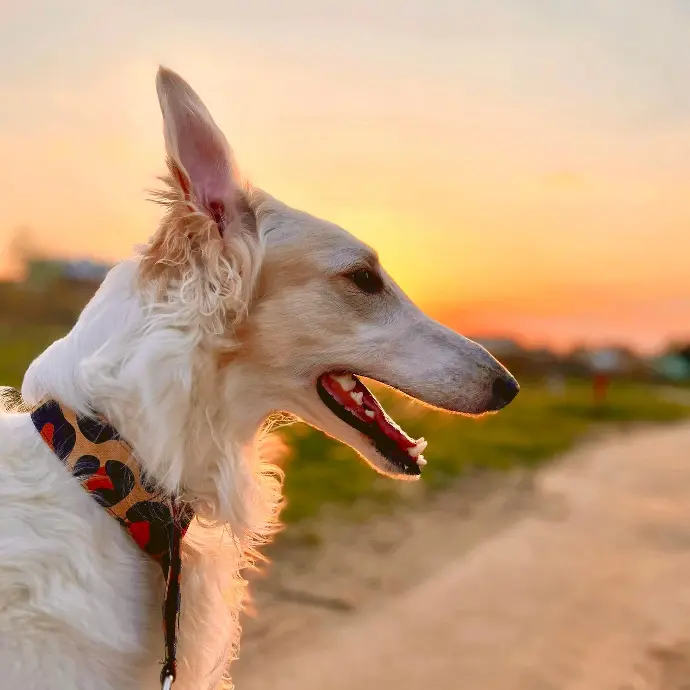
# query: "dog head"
[240,307]
[296,309]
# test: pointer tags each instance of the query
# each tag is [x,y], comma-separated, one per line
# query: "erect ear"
[198,152]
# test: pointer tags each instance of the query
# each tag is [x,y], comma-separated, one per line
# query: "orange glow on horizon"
[518,171]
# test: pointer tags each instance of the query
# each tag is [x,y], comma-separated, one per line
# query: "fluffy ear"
[199,155]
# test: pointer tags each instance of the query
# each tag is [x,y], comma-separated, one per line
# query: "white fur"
[76,593]
[225,318]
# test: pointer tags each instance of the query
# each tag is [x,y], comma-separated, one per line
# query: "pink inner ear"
[205,157]
[218,212]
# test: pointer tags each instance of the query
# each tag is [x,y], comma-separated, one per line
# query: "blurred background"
[523,170]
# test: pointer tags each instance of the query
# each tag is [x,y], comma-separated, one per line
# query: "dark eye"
[367,281]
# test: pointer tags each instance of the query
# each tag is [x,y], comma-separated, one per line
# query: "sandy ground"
[577,578]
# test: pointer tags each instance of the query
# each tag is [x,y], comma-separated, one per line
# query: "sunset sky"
[522,167]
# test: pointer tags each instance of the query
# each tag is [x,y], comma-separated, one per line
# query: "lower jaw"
[398,459]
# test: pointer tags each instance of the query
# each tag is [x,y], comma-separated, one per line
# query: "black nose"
[503,390]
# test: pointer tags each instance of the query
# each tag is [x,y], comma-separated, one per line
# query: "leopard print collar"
[96,455]
[106,467]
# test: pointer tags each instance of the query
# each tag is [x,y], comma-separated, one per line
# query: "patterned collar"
[105,465]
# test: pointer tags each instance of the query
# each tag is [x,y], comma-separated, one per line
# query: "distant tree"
[680,349]
[684,352]
[20,250]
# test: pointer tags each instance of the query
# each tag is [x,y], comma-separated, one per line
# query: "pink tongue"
[369,402]
[386,426]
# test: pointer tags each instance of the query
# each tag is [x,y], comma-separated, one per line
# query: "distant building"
[42,272]
[606,360]
[614,360]
[671,366]
[85,270]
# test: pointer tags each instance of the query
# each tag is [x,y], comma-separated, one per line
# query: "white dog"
[238,307]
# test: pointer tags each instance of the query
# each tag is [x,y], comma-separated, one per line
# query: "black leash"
[171,603]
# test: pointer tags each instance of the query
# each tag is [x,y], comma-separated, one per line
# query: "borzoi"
[237,308]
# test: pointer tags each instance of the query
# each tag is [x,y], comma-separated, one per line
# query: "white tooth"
[421,461]
[357,397]
[346,382]
[418,449]
[370,413]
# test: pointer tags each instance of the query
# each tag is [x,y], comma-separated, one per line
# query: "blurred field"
[19,346]
[539,424]
[535,427]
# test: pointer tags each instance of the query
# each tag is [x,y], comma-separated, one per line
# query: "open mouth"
[352,402]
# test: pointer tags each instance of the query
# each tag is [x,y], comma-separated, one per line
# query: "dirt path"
[582,585]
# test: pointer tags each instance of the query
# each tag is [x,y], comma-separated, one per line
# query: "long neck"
[154,380]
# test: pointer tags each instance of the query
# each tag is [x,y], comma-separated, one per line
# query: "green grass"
[535,427]
[19,346]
